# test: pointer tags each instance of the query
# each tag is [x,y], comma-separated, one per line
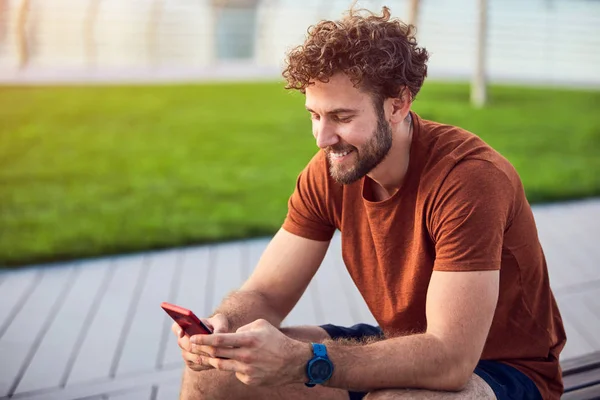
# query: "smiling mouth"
[337,155]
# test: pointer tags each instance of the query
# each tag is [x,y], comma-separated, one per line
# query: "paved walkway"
[93,329]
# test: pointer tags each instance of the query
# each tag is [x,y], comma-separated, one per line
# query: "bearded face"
[348,164]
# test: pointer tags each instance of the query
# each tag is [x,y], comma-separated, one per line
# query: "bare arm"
[460,308]
[279,280]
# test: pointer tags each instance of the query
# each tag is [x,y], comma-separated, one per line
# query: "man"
[436,233]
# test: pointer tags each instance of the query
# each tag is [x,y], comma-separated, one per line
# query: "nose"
[325,134]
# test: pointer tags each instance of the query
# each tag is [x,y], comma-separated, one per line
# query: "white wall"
[533,40]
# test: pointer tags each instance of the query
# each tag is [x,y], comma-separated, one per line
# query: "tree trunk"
[22,45]
[3,19]
[413,12]
[152,40]
[88,34]
[478,85]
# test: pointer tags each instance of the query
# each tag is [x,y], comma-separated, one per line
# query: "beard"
[367,157]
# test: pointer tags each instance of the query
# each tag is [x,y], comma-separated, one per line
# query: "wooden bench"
[582,377]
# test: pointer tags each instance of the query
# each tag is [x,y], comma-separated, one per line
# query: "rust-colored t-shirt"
[461,208]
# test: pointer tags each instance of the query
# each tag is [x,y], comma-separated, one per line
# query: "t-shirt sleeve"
[310,213]
[471,212]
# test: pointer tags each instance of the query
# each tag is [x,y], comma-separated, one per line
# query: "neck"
[389,175]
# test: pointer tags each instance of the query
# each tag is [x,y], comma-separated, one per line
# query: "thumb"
[220,323]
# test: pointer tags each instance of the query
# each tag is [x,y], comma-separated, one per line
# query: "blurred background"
[543,41]
[148,150]
[145,124]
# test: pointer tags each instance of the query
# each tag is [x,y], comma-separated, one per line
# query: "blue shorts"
[507,382]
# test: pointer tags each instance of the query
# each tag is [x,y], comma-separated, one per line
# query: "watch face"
[320,370]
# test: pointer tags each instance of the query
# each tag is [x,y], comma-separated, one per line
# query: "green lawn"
[86,171]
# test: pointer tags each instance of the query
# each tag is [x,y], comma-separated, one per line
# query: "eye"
[343,120]
[314,116]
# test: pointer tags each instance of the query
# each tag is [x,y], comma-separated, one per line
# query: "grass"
[87,171]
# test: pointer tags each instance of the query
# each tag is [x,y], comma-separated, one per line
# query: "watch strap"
[319,349]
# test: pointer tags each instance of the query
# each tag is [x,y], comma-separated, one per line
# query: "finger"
[201,350]
[225,339]
[227,365]
[195,362]
[259,323]
[184,343]
[220,323]
[198,368]
[245,328]
[240,354]
[176,329]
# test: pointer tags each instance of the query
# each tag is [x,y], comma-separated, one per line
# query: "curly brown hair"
[379,54]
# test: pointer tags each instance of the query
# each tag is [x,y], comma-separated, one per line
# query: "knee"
[208,384]
[388,394]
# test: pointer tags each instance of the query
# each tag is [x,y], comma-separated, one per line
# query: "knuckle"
[192,359]
[212,352]
[246,358]
[253,341]
[196,349]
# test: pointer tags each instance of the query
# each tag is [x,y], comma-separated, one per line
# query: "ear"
[399,106]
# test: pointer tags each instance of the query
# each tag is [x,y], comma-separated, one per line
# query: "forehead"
[339,92]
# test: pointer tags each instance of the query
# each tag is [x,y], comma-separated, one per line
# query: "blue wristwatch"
[319,368]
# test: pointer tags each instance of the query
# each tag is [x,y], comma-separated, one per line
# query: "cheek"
[356,135]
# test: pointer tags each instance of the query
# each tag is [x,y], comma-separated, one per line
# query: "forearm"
[243,306]
[415,361]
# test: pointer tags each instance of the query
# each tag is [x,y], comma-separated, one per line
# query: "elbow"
[456,376]
[454,370]
[455,366]
[457,384]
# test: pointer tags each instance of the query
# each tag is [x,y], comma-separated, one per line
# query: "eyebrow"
[338,111]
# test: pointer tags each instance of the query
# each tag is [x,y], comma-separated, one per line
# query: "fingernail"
[194,340]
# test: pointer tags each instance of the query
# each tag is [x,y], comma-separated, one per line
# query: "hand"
[218,323]
[258,353]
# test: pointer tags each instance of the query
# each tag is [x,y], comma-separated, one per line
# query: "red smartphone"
[186,319]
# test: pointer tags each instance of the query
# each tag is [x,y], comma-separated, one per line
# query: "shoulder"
[454,156]
[460,171]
